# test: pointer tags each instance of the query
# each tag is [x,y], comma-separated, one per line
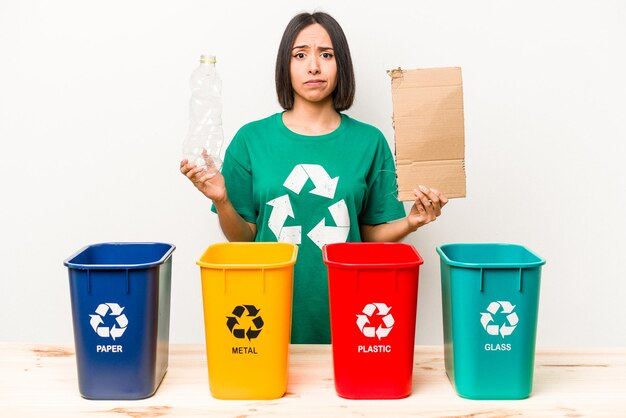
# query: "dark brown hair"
[343,95]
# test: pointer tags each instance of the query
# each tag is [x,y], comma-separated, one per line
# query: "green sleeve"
[381,199]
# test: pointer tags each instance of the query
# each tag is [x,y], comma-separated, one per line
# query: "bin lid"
[249,255]
[488,255]
[120,255]
[376,255]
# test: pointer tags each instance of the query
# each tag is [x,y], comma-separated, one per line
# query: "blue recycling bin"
[120,296]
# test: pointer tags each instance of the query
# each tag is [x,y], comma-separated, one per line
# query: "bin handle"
[482,277]
[397,273]
[519,284]
[89,281]
[261,271]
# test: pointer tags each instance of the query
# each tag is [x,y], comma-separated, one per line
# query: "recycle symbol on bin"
[383,329]
[254,320]
[502,307]
[112,310]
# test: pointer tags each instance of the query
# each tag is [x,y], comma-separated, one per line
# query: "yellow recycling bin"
[247,296]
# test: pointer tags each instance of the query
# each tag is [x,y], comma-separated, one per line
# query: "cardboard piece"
[429,130]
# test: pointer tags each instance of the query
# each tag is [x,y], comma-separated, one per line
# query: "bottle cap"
[207,59]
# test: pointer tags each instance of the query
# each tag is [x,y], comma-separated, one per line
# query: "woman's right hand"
[211,184]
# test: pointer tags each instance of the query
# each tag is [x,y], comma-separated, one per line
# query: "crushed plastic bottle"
[203,143]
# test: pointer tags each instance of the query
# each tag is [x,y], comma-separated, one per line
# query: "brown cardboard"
[429,130]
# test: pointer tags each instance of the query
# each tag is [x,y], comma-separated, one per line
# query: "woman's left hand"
[427,207]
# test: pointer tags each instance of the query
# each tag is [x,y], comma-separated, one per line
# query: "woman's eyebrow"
[322,48]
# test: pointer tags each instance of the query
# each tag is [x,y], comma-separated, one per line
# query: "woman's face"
[313,68]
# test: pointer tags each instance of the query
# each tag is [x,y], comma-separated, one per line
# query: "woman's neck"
[312,119]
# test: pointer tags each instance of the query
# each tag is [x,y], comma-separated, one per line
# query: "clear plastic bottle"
[203,143]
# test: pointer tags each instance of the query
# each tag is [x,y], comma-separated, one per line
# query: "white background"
[94,107]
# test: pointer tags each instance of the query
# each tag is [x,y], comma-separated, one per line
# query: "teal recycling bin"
[490,298]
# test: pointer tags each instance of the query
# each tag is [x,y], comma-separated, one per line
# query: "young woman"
[312,175]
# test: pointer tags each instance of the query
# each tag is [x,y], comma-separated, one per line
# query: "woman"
[312,175]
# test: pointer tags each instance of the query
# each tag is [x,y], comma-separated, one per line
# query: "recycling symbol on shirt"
[238,330]
[325,186]
[112,310]
[383,329]
[507,327]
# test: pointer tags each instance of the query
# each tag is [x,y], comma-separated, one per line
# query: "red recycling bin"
[373,303]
